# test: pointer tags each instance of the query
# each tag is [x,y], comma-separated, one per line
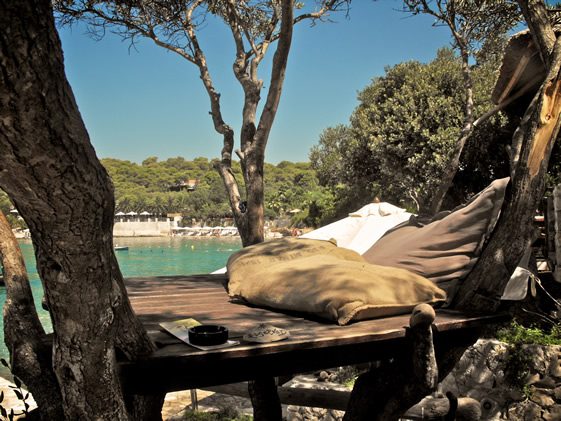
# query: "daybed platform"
[312,345]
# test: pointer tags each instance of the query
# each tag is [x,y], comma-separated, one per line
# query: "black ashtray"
[205,335]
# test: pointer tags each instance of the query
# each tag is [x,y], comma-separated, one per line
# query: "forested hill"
[194,188]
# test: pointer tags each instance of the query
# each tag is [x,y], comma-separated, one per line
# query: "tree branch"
[537,18]
[280,61]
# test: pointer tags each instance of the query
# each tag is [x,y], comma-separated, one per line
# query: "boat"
[121,248]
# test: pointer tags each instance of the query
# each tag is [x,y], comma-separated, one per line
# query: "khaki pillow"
[338,288]
[447,248]
[243,263]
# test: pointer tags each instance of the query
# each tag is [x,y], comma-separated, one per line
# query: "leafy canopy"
[399,137]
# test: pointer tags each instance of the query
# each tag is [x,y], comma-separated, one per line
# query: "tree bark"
[537,18]
[539,127]
[24,335]
[50,171]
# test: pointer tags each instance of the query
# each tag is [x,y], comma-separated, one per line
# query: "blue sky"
[149,102]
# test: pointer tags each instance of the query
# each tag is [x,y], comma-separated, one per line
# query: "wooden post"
[386,393]
[556,215]
[265,399]
[549,222]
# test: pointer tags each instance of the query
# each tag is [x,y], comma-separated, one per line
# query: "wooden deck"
[312,345]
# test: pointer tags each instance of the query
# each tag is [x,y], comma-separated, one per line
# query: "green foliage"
[6,206]
[146,187]
[518,367]
[516,334]
[402,132]
[527,391]
[518,360]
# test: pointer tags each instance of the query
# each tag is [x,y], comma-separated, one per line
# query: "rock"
[524,411]
[480,374]
[532,378]
[555,366]
[553,413]
[516,395]
[557,393]
[323,376]
[332,377]
[538,356]
[468,410]
[293,414]
[543,398]
[546,383]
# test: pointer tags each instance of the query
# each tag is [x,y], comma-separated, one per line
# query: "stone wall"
[483,373]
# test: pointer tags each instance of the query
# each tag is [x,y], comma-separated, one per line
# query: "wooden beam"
[265,399]
[300,396]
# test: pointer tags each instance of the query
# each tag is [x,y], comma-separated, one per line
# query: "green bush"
[516,334]
[518,361]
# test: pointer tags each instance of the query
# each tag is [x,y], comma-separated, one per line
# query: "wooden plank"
[240,317]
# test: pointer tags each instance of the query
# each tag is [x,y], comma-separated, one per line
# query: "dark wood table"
[313,344]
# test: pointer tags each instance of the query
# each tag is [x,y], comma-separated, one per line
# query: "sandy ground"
[11,401]
[177,402]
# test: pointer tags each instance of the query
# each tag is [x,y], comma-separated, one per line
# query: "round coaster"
[266,333]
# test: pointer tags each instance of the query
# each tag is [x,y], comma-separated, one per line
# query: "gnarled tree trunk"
[23,333]
[534,141]
[50,171]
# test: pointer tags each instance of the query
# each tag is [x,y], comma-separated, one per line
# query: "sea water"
[146,256]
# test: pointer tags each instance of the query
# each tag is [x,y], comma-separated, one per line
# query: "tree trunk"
[536,135]
[51,172]
[250,215]
[24,335]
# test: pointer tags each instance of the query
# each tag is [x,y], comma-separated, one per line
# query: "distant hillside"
[195,189]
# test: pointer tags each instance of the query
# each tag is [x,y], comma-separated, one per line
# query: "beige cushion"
[447,248]
[241,263]
[325,280]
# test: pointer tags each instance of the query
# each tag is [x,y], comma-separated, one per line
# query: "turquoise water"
[145,257]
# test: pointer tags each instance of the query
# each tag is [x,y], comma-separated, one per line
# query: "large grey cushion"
[447,248]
